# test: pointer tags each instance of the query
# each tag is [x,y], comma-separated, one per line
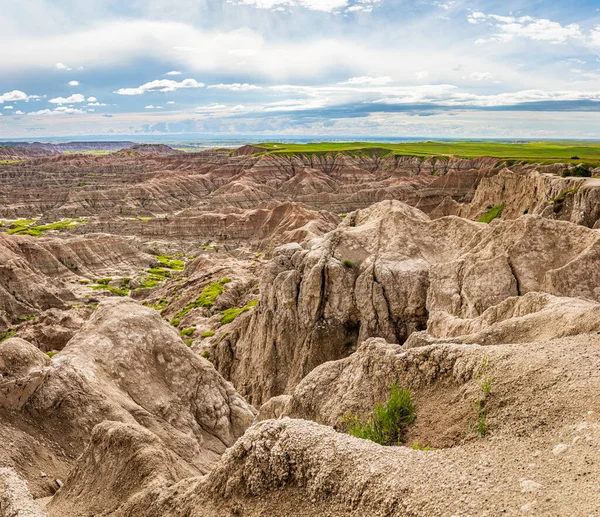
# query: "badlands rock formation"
[188,334]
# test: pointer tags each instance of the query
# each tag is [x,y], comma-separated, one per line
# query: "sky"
[389,68]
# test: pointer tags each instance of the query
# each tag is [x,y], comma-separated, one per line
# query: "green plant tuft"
[480,425]
[388,422]
[491,214]
[231,314]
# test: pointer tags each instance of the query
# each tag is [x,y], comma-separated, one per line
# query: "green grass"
[418,447]
[567,192]
[388,422]
[158,306]
[28,226]
[206,299]
[229,315]
[208,333]
[187,332]
[159,274]
[7,334]
[491,214]
[171,263]
[51,354]
[509,152]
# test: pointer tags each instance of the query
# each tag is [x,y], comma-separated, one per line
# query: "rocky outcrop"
[130,366]
[390,271]
[367,278]
[125,365]
[37,274]
[526,190]
[23,368]
[122,461]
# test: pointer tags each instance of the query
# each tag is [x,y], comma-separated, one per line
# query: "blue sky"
[300,67]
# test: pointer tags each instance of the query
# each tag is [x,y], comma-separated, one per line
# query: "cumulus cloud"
[9,107]
[19,112]
[173,72]
[537,29]
[96,104]
[170,102]
[72,99]
[17,95]
[92,99]
[62,66]
[151,107]
[160,85]
[73,83]
[236,87]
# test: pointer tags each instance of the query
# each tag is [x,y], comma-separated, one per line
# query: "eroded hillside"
[191,334]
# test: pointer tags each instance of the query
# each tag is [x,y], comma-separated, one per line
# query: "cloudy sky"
[300,67]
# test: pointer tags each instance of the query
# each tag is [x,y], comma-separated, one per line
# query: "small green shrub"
[388,422]
[348,263]
[208,333]
[206,354]
[491,214]
[581,170]
[187,332]
[51,354]
[103,281]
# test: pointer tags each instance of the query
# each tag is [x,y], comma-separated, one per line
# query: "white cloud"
[170,102]
[151,107]
[594,41]
[236,87]
[9,107]
[19,112]
[537,29]
[73,83]
[367,79]
[61,66]
[17,95]
[315,5]
[96,104]
[445,5]
[173,72]
[72,99]
[211,108]
[92,99]
[160,85]
[422,75]
[60,110]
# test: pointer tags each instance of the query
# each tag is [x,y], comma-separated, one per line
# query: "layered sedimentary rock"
[389,271]
[125,365]
[37,274]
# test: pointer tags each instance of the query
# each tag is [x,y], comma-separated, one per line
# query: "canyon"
[189,333]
